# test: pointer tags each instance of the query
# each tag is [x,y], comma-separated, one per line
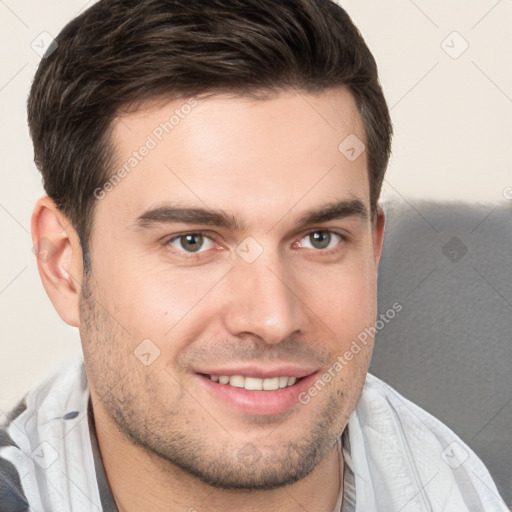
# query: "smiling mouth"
[254,383]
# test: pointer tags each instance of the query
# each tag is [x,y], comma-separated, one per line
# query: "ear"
[59,258]
[379,224]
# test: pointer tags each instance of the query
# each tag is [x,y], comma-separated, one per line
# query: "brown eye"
[191,242]
[321,239]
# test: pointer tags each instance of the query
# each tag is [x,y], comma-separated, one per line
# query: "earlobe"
[379,225]
[59,258]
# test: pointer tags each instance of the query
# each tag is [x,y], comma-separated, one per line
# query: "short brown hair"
[121,52]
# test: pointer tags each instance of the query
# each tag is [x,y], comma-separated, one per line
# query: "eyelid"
[185,233]
[327,230]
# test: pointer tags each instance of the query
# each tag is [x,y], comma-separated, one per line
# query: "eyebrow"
[168,213]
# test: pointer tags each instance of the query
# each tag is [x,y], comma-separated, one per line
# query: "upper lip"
[261,372]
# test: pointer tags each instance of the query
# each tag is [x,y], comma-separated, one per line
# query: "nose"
[263,302]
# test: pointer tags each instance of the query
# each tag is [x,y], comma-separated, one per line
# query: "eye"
[321,240]
[191,242]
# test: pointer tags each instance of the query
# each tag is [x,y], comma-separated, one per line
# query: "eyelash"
[343,238]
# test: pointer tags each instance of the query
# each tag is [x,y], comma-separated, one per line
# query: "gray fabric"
[12,497]
[450,348]
[108,503]
[349,486]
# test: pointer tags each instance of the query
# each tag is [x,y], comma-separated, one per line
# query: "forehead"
[238,154]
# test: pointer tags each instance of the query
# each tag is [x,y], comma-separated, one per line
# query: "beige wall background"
[445,68]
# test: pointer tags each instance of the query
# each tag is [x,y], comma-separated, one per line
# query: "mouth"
[257,391]
[255,383]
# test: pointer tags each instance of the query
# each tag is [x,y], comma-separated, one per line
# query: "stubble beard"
[171,435]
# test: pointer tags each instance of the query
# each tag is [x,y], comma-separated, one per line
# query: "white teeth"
[237,381]
[271,384]
[283,382]
[253,383]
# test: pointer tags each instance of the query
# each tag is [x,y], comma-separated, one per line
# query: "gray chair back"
[449,349]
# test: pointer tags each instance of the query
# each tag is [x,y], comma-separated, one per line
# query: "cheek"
[160,303]
[344,297]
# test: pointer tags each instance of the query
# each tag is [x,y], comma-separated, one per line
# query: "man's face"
[178,299]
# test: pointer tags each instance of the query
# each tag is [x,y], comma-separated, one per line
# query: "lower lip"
[258,402]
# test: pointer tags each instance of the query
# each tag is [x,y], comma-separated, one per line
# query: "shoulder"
[32,433]
[403,451]
[12,497]
[388,411]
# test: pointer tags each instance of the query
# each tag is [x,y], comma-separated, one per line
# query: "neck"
[142,481]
